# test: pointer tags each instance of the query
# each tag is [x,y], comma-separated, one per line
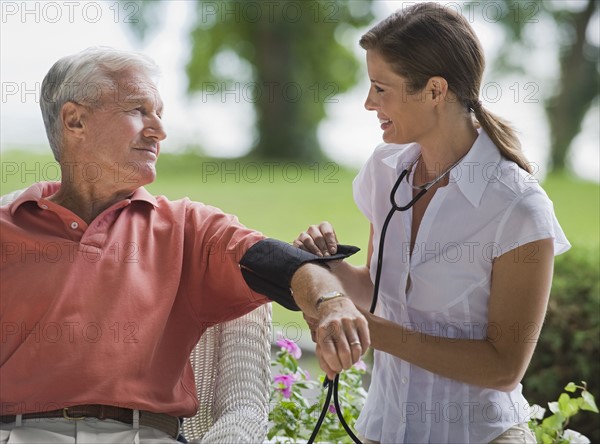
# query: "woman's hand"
[318,239]
[321,240]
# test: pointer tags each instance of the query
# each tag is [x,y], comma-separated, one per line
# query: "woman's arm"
[520,290]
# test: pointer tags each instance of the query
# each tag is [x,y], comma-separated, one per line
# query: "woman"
[467,269]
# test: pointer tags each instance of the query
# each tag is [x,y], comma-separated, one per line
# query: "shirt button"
[74,225]
[404,380]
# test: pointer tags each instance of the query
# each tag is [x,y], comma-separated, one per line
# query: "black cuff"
[268,267]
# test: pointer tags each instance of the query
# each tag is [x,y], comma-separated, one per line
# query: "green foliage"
[552,430]
[287,58]
[568,344]
[294,415]
[577,85]
[519,17]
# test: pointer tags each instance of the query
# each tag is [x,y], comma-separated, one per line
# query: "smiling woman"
[468,259]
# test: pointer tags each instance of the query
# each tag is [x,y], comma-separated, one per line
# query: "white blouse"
[489,207]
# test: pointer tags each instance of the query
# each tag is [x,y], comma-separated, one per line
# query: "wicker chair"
[233,378]
[231,365]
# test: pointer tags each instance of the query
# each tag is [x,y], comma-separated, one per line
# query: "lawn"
[281,198]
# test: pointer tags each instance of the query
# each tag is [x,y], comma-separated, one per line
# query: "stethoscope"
[332,386]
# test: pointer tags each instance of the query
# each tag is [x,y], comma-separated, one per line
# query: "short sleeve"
[529,218]
[215,243]
[362,188]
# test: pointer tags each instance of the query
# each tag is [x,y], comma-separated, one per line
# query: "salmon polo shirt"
[108,313]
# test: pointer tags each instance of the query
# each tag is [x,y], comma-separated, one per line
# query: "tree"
[578,57]
[298,57]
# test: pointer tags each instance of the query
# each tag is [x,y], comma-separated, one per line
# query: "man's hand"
[312,325]
[341,333]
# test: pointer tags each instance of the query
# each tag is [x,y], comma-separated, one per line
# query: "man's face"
[123,133]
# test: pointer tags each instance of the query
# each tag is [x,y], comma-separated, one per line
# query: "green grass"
[281,199]
[577,207]
[283,202]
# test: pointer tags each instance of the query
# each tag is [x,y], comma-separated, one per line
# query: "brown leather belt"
[163,422]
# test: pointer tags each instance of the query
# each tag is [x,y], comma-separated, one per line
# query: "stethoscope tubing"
[332,386]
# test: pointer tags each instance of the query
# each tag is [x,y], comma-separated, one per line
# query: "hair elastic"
[475,105]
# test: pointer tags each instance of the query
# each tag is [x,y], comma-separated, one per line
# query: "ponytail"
[426,40]
[502,134]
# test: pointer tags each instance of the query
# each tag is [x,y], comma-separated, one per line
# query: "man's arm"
[273,268]
[342,333]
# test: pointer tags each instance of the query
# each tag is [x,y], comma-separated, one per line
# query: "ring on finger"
[355,343]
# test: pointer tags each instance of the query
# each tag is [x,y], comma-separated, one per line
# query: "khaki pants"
[519,434]
[85,431]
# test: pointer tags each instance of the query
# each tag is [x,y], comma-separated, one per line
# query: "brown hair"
[427,40]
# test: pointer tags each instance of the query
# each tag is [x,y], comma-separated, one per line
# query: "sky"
[33,35]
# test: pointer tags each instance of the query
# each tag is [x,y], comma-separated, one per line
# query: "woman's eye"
[378,89]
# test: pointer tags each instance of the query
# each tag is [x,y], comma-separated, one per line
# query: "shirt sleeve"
[215,243]
[529,218]
[362,188]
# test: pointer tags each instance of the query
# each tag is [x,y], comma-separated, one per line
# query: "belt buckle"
[65,413]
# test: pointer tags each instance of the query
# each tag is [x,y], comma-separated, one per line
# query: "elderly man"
[155,271]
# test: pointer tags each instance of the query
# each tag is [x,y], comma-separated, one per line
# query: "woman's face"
[405,116]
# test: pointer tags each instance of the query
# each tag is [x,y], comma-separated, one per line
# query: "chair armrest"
[242,380]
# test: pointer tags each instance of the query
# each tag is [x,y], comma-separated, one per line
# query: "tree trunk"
[578,89]
[283,131]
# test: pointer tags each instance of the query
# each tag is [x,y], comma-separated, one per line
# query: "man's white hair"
[81,78]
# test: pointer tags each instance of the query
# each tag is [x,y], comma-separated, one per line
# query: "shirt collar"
[42,190]
[400,156]
[477,168]
[471,174]
[141,194]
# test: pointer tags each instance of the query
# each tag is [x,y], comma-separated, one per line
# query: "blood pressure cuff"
[268,267]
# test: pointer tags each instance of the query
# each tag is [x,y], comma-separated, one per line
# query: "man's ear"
[72,117]
[438,87]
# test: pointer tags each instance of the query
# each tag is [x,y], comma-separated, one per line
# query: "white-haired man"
[126,262]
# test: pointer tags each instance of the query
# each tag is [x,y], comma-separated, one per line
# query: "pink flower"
[332,408]
[289,346]
[284,383]
[360,365]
